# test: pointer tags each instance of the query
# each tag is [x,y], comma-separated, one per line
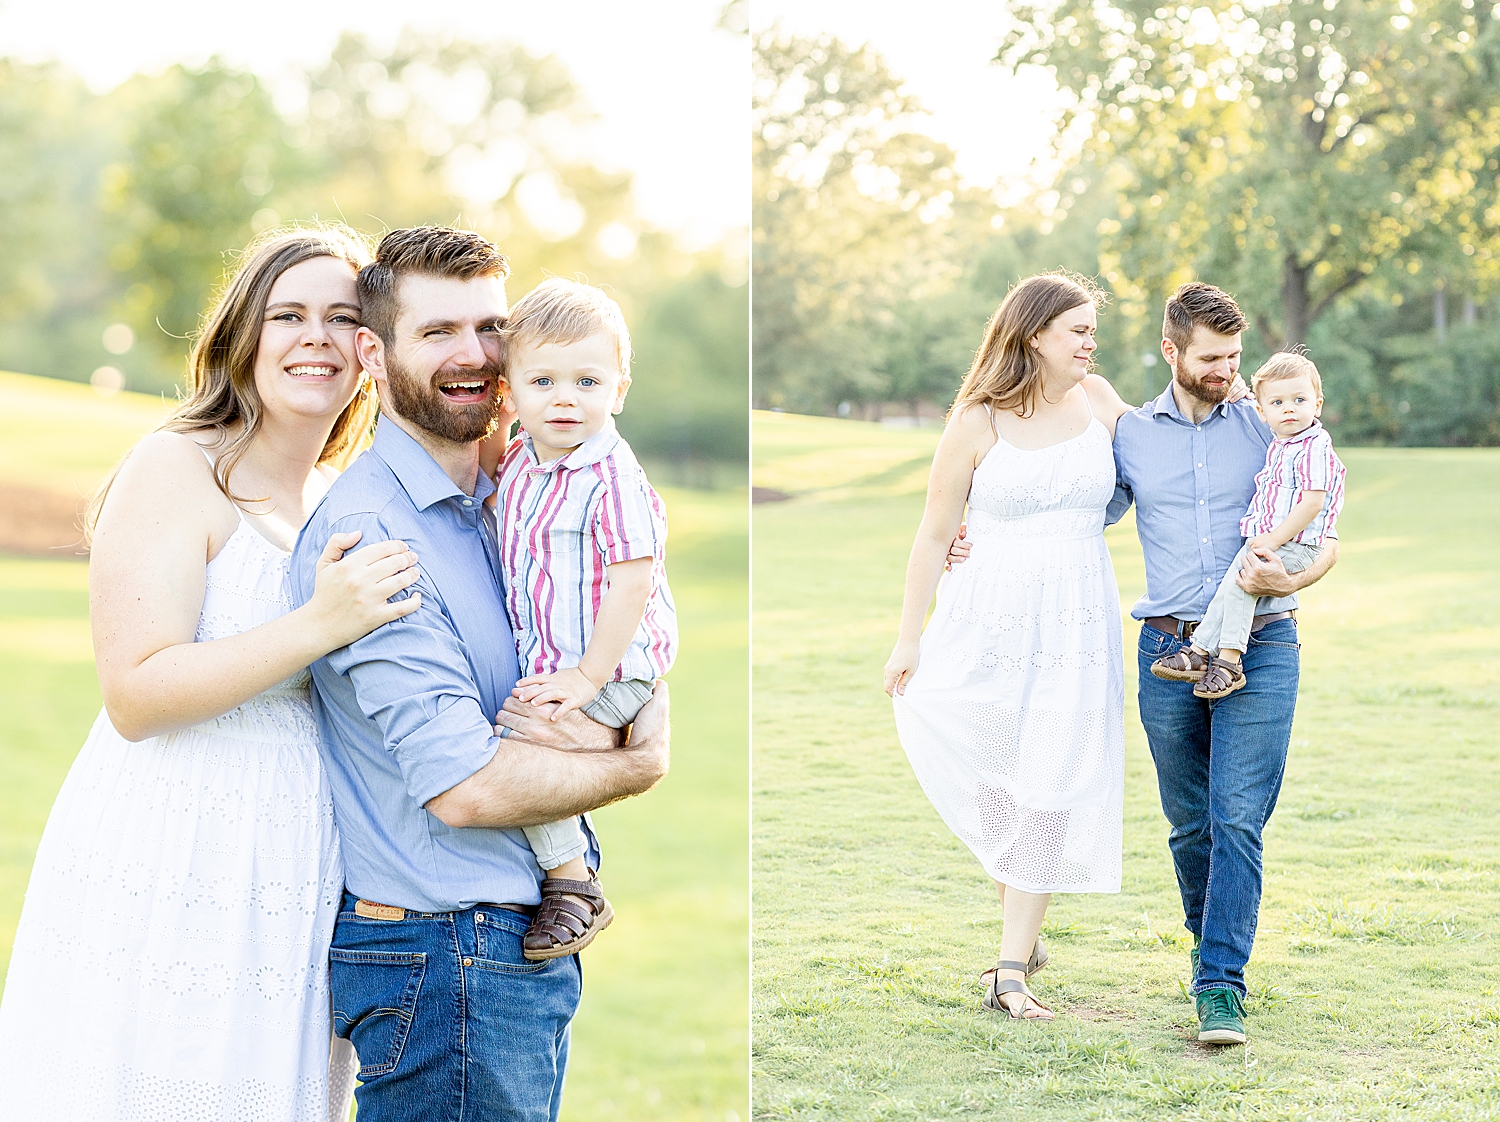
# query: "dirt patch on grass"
[40,523]
[1087,1013]
[768,495]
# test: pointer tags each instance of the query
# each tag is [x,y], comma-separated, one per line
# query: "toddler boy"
[1298,496]
[582,537]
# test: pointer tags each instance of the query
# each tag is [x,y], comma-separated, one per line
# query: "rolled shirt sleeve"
[412,678]
[630,522]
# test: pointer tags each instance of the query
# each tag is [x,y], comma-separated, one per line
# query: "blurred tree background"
[1332,163]
[123,209]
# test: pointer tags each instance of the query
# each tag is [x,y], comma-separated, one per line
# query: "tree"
[1287,150]
[855,213]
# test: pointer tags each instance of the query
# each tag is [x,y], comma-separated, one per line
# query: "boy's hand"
[1261,543]
[570,689]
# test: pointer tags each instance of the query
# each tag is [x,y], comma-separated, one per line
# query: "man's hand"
[1263,574]
[958,552]
[587,768]
[570,732]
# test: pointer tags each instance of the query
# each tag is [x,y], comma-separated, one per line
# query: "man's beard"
[421,403]
[1196,387]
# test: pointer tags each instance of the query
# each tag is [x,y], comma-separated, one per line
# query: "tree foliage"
[127,207]
[1288,150]
[857,218]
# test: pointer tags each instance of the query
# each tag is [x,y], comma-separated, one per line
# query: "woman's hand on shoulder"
[353,587]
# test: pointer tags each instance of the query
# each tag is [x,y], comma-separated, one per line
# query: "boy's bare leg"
[576,869]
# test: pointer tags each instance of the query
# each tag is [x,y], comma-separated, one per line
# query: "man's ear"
[1169,352]
[620,392]
[370,350]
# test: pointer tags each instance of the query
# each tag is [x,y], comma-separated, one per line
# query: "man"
[450,1020]
[1188,461]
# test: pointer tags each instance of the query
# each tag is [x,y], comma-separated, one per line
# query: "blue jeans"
[1219,766]
[451,1022]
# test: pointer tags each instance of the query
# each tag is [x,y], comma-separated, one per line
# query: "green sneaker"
[1221,1017]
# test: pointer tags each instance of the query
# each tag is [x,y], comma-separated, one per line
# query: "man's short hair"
[1198,303]
[564,311]
[1284,365]
[429,251]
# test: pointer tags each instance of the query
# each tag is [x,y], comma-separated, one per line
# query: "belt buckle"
[367,909]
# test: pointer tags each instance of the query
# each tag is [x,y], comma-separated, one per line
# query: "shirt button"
[1200,502]
[518,523]
[1205,541]
[468,502]
[1200,465]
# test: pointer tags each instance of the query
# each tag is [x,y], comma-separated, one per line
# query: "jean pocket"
[497,942]
[1156,643]
[375,998]
[1294,645]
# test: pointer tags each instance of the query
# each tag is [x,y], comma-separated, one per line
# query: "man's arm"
[1263,573]
[549,770]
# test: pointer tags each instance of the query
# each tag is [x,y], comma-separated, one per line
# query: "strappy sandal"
[1221,680]
[1186,665]
[1039,959]
[1013,985]
[572,913]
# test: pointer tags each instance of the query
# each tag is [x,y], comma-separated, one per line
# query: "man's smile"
[465,391]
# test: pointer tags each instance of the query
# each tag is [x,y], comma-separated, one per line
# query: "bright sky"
[672,90]
[996,123]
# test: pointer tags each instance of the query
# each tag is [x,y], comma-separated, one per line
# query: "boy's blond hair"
[564,311]
[1283,365]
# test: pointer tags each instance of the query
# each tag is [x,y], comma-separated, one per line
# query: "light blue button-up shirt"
[1191,484]
[408,711]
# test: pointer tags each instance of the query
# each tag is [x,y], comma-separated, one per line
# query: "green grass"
[1375,988]
[662,1032]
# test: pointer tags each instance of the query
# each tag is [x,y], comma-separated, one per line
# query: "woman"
[1010,705]
[171,957]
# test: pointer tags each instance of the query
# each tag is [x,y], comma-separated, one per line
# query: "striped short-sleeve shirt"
[1304,462]
[561,524]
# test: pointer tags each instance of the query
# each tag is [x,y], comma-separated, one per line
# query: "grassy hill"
[662,1032]
[1375,989]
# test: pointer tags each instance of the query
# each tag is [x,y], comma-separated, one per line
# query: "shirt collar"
[1166,404]
[417,472]
[590,452]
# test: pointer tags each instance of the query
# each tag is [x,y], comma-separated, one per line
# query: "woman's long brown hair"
[221,392]
[1006,373]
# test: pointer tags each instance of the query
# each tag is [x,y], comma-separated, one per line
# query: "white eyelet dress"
[171,960]
[1013,721]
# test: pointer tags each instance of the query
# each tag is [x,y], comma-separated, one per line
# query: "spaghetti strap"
[990,413]
[1088,404]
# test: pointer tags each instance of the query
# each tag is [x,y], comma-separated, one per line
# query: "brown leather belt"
[368,909]
[1184,628]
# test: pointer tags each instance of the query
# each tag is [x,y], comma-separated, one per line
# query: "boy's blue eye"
[542,382]
[588,382]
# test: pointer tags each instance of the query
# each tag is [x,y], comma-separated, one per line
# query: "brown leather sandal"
[1039,959]
[1186,665]
[1221,680]
[1030,1008]
[572,913]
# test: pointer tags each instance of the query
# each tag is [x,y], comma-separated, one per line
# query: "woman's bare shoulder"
[1104,399]
[171,471]
[971,419]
